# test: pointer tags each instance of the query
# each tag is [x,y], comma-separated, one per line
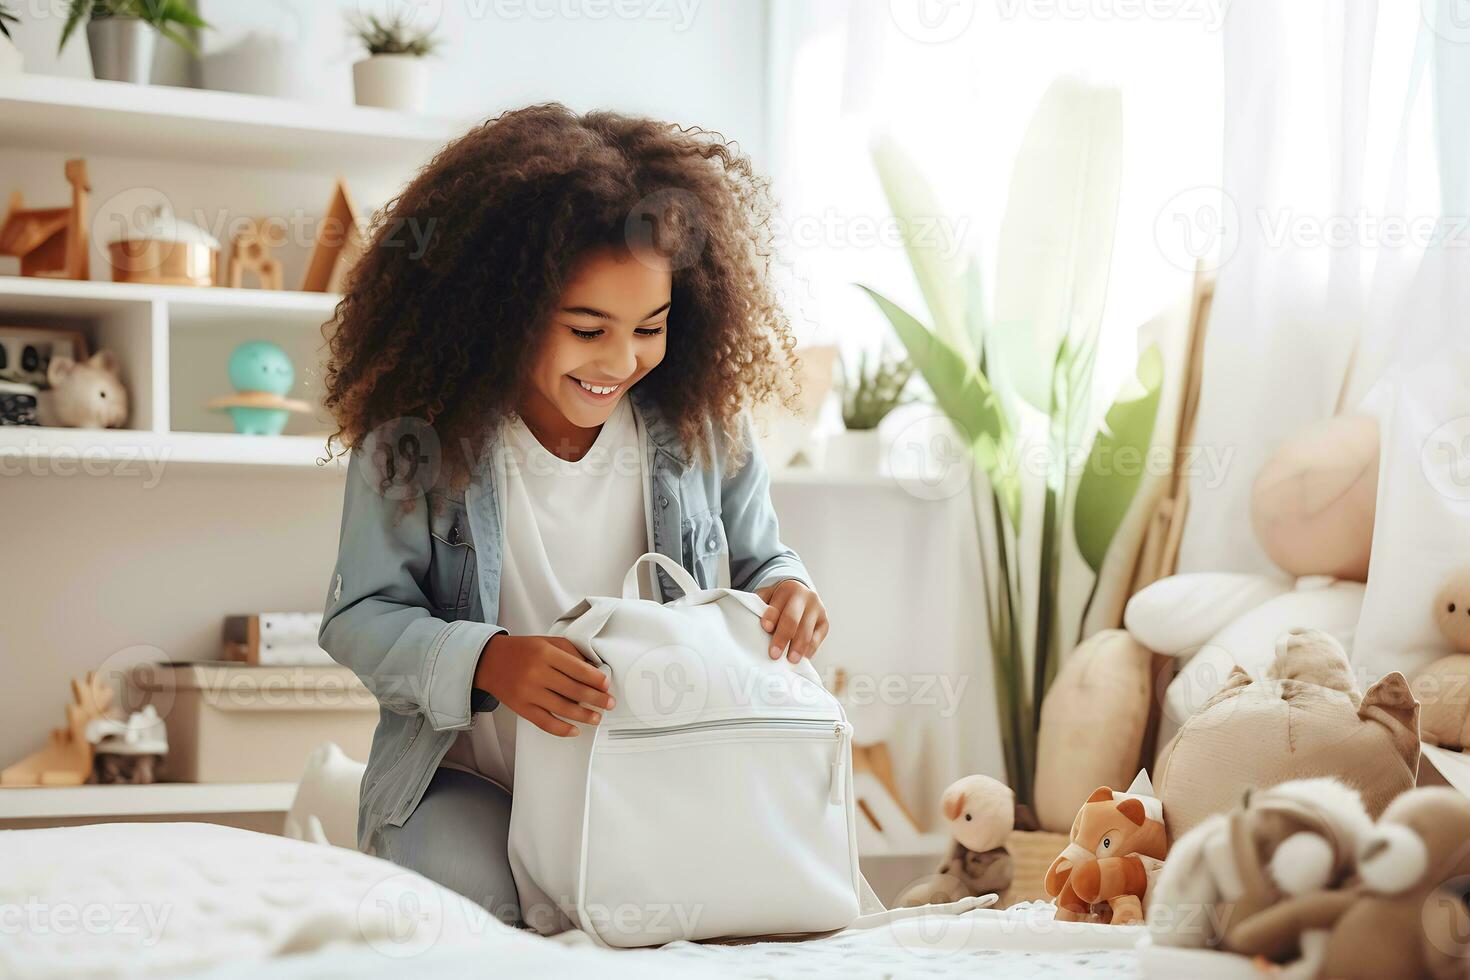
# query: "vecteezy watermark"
[141,215]
[1204,226]
[1208,13]
[34,458]
[941,234]
[932,459]
[35,917]
[651,923]
[932,21]
[679,14]
[1445,459]
[1288,227]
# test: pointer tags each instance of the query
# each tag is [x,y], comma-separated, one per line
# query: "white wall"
[97,565]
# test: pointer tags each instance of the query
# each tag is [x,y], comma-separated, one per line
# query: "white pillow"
[1250,641]
[1178,614]
[1422,529]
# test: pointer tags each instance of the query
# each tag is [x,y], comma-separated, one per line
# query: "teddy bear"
[1443,687]
[89,395]
[1303,718]
[981,812]
[1291,839]
[1117,849]
[1401,916]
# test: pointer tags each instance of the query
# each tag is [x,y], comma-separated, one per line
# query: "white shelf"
[155,799]
[145,452]
[75,115]
[70,297]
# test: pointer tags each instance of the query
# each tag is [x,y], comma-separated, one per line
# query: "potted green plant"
[121,33]
[11,62]
[1015,376]
[393,75]
[868,395]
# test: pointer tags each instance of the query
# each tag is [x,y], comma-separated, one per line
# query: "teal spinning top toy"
[262,375]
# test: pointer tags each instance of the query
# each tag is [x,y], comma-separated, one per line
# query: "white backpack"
[714,800]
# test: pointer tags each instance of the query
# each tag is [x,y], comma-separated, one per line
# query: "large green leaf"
[1056,239]
[937,262]
[1115,467]
[963,393]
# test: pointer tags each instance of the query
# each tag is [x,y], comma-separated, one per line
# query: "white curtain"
[1331,196]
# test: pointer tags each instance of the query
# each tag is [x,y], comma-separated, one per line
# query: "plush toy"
[1443,687]
[982,813]
[89,395]
[1291,839]
[1117,848]
[1304,718]
[1398,918]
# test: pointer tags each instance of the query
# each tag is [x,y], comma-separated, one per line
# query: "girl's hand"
[796,616]
[544,680]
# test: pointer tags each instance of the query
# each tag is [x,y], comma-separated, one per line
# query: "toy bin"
[236,723]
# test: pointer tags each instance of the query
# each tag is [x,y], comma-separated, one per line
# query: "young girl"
[542,366]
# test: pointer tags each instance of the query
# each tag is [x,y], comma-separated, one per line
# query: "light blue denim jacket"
[406,606]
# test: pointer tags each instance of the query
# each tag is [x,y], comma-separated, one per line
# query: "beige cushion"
[1092,725]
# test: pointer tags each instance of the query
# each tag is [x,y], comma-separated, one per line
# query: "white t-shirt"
[572,529]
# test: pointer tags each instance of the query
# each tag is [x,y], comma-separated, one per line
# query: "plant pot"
[11,62]
[122,49]
[856,452]
[1032,852]
[392,81]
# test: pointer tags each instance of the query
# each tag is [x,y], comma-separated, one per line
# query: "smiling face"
[609,329]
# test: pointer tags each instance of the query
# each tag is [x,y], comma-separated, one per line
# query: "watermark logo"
[1445,459]
[404,458]
[932,21]
[401,915]
[1198,227]
[1448,19]
[665,685]
[667,229]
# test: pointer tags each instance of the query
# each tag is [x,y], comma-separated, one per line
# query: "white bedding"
[190,899]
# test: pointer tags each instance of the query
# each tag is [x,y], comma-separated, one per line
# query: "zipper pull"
[836,781]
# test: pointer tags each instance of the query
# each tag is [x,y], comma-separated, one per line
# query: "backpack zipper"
[840,730]
[794,724]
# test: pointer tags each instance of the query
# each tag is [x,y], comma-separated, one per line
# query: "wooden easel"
[50,242]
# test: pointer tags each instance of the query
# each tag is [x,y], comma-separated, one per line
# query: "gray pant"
[458,837]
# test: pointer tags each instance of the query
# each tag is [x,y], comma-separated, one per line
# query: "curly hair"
[443,332]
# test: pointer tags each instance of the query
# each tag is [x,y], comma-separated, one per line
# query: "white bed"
[191,899]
